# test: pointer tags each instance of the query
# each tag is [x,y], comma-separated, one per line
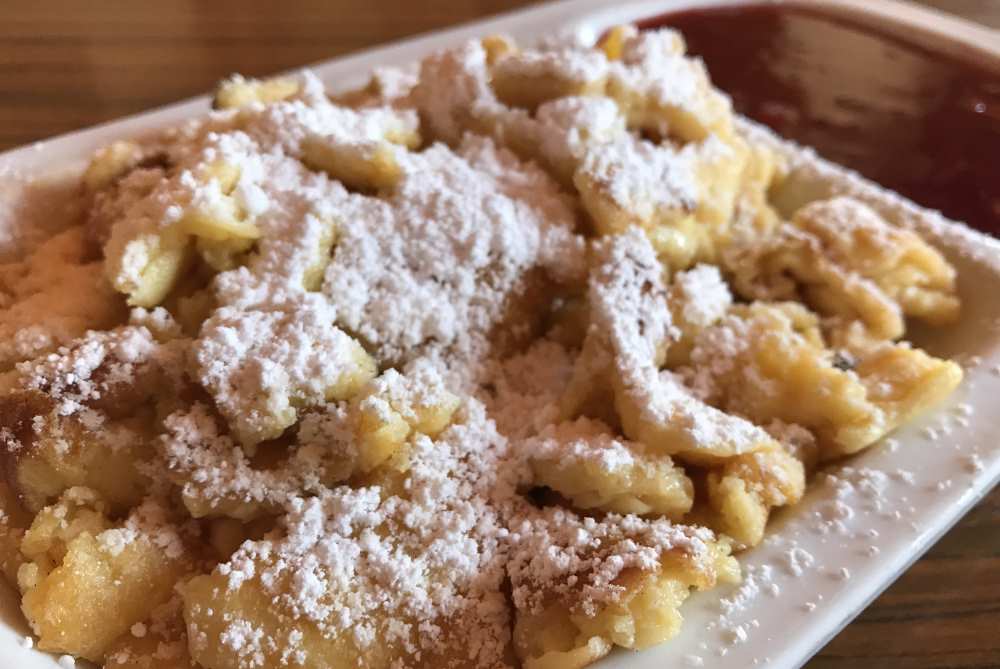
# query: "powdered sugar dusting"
[558,554]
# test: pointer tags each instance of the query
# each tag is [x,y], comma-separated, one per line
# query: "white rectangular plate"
[856,531]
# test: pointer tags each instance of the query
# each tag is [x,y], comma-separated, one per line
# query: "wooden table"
[68,64]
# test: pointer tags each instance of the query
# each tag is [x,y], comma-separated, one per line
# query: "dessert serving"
[489,363]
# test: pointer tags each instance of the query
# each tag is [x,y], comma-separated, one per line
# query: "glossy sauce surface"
[918,122]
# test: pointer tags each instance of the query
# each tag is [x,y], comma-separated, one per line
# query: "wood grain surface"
[69,64]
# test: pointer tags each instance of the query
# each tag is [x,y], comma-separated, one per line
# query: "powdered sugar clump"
[257,363]
[435,266]
[704,294]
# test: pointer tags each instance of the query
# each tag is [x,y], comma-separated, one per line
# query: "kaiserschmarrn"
[489,363]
